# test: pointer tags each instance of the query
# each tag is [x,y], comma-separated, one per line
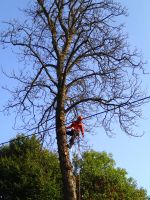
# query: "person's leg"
[69,133]
[71,143]
[72,140]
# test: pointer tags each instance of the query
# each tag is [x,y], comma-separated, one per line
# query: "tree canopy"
[102,180]
[77,59]
[29,172]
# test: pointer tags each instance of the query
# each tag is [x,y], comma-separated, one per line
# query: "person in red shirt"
[76,127]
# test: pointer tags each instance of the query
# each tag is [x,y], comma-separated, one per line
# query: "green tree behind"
[101,180]
[28,171]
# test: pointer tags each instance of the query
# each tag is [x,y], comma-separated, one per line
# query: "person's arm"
[67,127]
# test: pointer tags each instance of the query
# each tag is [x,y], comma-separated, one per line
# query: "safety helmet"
[80,118]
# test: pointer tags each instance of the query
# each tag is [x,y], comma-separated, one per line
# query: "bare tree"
[77,61]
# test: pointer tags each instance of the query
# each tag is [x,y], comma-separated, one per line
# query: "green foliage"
[100,180]
[29,172]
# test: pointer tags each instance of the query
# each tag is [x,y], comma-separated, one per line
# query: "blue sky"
[129,153]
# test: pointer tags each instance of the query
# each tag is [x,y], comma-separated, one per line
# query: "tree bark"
[69,182]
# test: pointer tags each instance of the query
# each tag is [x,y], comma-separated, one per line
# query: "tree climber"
[76,128]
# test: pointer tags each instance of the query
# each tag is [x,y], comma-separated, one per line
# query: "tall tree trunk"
[69,183]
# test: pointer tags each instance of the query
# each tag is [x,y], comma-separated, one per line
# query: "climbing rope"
[79,188]
[77,166]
